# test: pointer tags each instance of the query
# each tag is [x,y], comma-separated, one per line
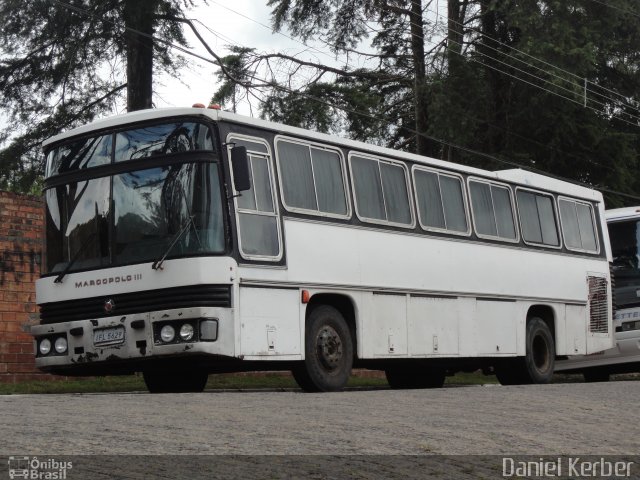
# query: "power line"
[346,63]
[620,9]
[275,85]
[582,103]
[578,86]
[531,56]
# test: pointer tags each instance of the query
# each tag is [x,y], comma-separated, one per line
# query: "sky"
[225,23]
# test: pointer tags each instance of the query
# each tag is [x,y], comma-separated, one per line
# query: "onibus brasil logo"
[38,469]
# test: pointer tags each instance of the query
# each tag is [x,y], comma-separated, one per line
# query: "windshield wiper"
[157,265]
[75,257]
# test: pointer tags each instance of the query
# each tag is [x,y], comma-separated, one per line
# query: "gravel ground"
[364,434]
[598,419]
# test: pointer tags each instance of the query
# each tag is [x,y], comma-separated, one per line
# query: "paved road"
[580,418]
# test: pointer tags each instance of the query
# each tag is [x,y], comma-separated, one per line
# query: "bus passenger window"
[492,210]
[537,218]
[257,216]
[578,228]
[381,191]
[440,201]
[312,179]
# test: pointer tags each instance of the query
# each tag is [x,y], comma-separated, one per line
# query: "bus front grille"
[598,305]
[136,302]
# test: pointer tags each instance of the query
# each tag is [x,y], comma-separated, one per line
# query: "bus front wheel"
[539,361]
[328,352]
[159,381]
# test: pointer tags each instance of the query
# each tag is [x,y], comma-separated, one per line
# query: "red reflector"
[305,296]
[214,106]
[197,105]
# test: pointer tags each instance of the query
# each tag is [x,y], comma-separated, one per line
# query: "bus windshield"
[625,246]
[134,215]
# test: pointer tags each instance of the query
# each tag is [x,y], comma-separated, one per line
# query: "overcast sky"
[197,84]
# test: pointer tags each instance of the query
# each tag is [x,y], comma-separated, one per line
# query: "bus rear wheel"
[328,352]
[409,377]
[158,381]
[539,361]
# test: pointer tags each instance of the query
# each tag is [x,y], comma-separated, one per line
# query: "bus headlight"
[167,334]
[60,345]
[186,332]
[45,346]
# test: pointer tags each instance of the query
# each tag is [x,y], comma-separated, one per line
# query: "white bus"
[183,242]
[624,357]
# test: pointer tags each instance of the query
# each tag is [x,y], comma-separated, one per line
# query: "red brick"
[20,367]
[14,347]
[27,358]
[9,358]
[23,337]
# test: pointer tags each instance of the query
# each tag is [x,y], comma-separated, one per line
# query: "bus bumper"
[126,340]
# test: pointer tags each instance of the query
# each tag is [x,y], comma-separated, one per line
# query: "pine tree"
[63,63]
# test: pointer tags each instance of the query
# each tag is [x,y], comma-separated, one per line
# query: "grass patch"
[475,378]
[128,383]
[133,383]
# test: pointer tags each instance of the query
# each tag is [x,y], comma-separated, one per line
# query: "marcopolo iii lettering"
[109,280]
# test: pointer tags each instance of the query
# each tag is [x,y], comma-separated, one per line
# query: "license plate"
[108,336]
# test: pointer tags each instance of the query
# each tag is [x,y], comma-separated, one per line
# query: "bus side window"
[578,227]
[537,218]
[381,191]
[441,204]
[257,215]
[312,179]
[492,210]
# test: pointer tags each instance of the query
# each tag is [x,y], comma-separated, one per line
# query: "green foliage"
[465,99]
[60,68]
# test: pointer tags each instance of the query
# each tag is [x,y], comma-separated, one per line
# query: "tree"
[393,78]
[451,86]
[63,63]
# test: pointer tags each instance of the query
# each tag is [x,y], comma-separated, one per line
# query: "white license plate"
[108,336]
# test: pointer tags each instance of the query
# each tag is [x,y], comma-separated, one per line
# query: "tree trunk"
[497,83]
[456,14]
[139,16]
[423,145]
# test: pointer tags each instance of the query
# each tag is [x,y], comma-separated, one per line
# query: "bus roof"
[622,213]
[520,176]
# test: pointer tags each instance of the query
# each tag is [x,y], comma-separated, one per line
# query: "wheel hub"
[329,348]
[541,354]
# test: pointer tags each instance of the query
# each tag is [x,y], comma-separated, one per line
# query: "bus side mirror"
[240,166]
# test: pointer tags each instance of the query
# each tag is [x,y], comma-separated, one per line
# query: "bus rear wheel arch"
[328,352]
[538,363]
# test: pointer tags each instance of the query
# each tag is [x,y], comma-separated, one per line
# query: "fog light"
[167,334]
[61,345]
[186,332]
[209,330]
[45,346]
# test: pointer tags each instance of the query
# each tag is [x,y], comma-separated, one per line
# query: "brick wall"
[21,234]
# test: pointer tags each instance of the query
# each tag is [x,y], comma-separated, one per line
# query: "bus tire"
[409,378]
[539,361]
[158,381]
[328,352]
[596,375]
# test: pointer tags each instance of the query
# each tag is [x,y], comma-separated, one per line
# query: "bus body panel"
[406,311]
